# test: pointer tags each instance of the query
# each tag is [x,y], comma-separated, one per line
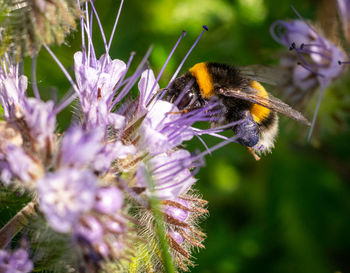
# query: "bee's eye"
[185,100]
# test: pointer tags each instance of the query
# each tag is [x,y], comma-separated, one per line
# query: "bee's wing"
[263,73]
[275,104]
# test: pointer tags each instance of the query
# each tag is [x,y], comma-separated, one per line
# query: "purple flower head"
[317,55]
[6,175]
[169,174]
[117,225]
[179,209]
[15,262]
[89,228]
[12,89]
[88,148]
[96,80]
[165,127]
[176,236]
[148,87]
[180,213]
[108,200]
[103,249]
[16,163]
[79,148]
[103,227]
[316,61]
[110,152]
[153,134]
[41,121]
[141,141]
[64,195]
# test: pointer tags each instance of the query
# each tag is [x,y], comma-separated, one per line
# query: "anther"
[188,53]
[292,46]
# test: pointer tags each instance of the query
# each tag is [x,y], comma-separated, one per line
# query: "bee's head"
[184,92]
[247,132]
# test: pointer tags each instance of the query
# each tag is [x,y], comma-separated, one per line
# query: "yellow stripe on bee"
[204,80]
[259,112]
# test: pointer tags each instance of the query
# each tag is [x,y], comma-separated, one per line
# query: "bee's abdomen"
[235,108]
[259,113]
[268,121]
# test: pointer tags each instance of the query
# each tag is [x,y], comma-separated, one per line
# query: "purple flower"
[90,229]
[79,148]
[167,175]
[179,212]
[96,80]
[154,136]
[103,227]
[41,121]
[110,152]
[317,55]
[176,236]
[5,172]
[316,61]
[12,90]
[148,87]
[65,195]
[108,200]
[15,262]
[88,148]
[15,162]
[140,139]
[117,225]
[165,127]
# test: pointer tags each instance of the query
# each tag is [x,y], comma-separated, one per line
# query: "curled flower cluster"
[316,59]
[97,181]
[18,261]
[313,61]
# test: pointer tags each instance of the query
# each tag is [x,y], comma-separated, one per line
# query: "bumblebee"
[243,98]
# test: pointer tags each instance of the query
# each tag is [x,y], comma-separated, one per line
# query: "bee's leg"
[247,131]
[251,151]
[184,111]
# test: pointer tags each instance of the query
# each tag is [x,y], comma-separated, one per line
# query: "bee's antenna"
[156,94]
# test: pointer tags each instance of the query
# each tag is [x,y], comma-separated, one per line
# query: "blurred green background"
[289,212]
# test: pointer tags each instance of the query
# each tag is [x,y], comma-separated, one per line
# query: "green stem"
[160,228]
[161,233]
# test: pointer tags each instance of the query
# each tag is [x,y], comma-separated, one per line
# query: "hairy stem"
[16,224]
[161,232]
